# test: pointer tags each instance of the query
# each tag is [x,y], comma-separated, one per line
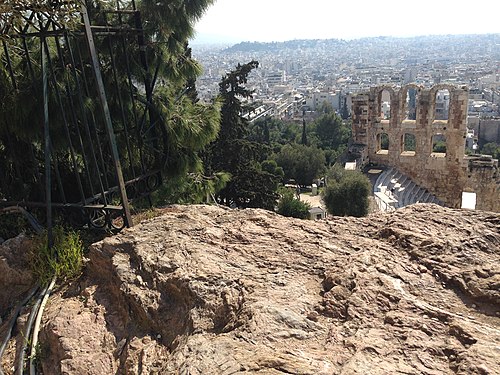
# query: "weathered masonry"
[422,132]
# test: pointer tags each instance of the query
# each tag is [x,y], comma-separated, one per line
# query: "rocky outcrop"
[15,275]
[208,290]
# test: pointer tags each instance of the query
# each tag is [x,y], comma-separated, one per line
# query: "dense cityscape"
[301,75]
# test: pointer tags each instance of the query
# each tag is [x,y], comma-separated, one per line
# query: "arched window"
[409,144]
[382,143]
[442,105]
[411,104]
[439,145]
[384,104]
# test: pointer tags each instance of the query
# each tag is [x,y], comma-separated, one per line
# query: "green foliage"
[384,141]
[409,142]
[331,131]
[251,187]
[344,113]
[64,260]
[492,149]
[301,163]
[231,89]
[13,12]
[290,206]
[304,133]
[332,155]
[11,225]
[325,108]
[242,154]
[272,167]
[412,104]
[347,193]
[273,131]
[172,22]
[231,149]
[336,173]
[187,129]
[190,189]
[439,147]
[289,133]
[176,127]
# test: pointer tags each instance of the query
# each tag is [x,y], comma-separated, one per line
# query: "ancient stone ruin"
[421,132]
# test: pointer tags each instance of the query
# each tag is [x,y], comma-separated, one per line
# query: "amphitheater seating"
[400,191]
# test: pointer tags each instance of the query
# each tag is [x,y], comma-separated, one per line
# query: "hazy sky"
[278,20]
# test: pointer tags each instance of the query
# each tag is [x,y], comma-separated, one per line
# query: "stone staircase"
[394,190]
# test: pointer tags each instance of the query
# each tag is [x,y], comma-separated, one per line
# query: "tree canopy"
[167,121]
[331,131]
[301,163]
[254,181]
[347,193]
[492,149]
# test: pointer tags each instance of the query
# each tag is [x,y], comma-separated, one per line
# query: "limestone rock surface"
[15,276]
[208,290]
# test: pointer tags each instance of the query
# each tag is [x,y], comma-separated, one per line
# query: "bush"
[301,163]
[492,149]
[64,260]
[347,194]
[289,206]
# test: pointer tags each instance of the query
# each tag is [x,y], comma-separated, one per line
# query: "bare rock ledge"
[208,290]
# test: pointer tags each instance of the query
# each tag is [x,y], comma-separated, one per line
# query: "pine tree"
[232,152]
[183,126]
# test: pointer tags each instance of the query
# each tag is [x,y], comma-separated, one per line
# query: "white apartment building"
[275,78]
[318,97]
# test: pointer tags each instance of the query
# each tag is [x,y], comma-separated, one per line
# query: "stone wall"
[445,173]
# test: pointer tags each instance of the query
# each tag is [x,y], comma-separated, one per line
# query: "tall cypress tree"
[304,133]
[250,185]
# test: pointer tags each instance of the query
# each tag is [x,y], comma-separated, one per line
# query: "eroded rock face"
[15,275]
[208,290]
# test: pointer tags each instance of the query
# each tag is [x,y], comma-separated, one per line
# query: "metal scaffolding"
[90,146]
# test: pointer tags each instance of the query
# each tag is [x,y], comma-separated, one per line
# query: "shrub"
[492,149]
[347,194]
[64,260]
[289,206]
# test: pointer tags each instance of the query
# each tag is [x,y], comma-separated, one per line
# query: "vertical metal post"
[107,117]
[9,65]
[48,182]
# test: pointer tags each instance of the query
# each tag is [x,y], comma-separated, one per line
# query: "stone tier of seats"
[401,190]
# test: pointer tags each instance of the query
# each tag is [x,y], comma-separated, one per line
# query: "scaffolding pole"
[107,118]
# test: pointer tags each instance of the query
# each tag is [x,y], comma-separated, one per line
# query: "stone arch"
[438,144]
[382,93]
[410,101]
[382,143]
[408,144]
[435,108]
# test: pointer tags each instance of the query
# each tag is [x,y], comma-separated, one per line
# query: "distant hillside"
[290,44]
[491,41]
